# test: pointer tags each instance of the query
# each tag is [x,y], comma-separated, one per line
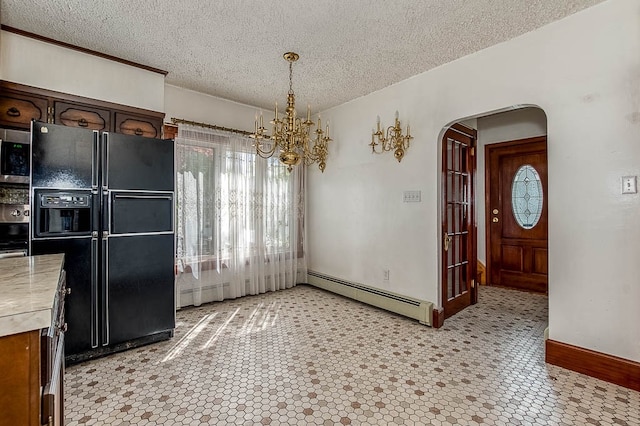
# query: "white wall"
[194,106]
[507,126]
[35,63]
[584,72]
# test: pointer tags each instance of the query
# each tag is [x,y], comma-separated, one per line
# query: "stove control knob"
[15,213]
[25,213]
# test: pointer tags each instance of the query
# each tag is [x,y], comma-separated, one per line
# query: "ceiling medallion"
[291,135]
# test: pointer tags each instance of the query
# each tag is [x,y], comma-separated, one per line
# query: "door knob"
[496,220]
[496,211]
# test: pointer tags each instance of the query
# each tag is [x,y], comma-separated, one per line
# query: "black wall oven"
[14,230]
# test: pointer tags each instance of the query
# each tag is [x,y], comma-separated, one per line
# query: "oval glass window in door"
[526,196]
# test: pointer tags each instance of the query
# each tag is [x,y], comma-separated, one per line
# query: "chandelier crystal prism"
[292,135]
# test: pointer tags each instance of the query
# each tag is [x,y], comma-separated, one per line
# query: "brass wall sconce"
[392,139]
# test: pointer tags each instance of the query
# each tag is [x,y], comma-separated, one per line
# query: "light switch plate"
[412,196]
[629,184]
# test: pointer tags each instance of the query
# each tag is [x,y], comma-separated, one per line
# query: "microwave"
[15,157]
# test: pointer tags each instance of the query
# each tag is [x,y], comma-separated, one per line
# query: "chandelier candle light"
[393,139]
[291,134]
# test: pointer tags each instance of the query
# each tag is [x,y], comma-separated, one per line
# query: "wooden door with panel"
[517,223]
[458,223]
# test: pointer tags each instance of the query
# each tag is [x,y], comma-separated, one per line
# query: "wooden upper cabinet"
[78,115]
[19,104]
[130,124]
[18,109]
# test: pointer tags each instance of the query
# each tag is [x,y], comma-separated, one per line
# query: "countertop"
[27,292]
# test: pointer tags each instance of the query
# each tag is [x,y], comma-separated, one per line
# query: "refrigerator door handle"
[95,211]
[143,197]
[105,160]
[94,290]
[94,160]
[106,214]
[105,292]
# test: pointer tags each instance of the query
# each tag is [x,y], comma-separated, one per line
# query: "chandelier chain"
[290,77]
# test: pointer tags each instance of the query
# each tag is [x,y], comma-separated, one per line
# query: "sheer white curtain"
[240,219]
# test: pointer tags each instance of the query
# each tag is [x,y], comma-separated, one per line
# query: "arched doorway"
[514,261]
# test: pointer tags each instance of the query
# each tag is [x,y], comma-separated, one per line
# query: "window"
[526,196]
[195,194]
[239,218]
[233,203]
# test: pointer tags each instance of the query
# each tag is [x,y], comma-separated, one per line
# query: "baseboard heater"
[420,310]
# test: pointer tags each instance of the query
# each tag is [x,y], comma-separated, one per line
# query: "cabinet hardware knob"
[496,220]
[68,291]
[64,327]
[83,122]
[138,131]
[13,112]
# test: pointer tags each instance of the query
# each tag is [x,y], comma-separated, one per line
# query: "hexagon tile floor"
[304,356]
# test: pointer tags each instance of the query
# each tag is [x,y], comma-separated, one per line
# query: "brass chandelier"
[291,135]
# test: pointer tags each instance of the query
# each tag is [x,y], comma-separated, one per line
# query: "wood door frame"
[487,191]
[473,228]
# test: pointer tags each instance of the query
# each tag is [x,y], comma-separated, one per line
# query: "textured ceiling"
[233,49]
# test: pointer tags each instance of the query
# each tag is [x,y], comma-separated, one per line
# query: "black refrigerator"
[106,200]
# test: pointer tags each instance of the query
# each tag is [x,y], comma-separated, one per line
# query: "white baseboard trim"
[420,310]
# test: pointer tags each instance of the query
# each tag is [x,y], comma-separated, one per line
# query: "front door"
[516,182]
[458,224]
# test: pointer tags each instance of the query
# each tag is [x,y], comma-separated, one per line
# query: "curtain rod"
[208,126]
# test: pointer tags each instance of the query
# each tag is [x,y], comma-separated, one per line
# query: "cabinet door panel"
[77,115]
[20,365]
[17,110]
[148,127]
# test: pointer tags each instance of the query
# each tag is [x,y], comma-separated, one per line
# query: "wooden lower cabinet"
[32,372]
[32,379]
[53,391]
[20,379]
